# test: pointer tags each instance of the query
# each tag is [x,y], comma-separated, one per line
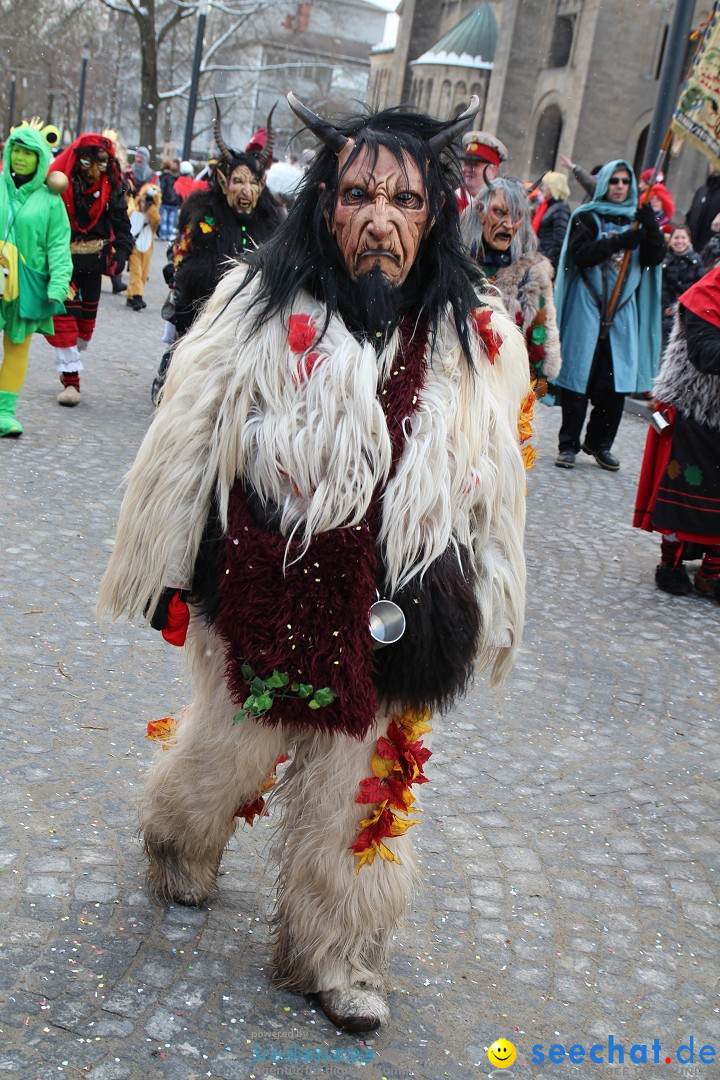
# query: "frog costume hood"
[32,137]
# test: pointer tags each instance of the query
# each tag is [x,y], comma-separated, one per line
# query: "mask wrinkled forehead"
[244,172]
[367,151]
[227,166]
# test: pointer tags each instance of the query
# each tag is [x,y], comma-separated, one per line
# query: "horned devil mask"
[380,216]
[241,174]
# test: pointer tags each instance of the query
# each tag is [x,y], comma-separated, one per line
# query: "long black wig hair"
[303,253]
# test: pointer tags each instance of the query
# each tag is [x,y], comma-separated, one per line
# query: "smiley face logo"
[501,1054]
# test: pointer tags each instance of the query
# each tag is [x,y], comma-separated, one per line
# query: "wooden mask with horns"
[382,212]
[229,157]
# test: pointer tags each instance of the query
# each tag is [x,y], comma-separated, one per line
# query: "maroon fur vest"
[307,616]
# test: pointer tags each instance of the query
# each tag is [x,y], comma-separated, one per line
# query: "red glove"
[178,620]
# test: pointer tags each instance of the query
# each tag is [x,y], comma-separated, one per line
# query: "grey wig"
[471,228]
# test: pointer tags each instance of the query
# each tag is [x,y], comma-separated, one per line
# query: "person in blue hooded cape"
[602,363]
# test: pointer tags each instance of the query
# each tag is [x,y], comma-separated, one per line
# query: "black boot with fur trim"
[354,1009]
[673,579]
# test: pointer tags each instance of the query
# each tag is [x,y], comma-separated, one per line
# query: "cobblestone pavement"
[571,835]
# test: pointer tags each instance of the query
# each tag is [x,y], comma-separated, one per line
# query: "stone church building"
[574,77]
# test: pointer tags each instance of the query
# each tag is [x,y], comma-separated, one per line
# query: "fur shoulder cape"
[679,382]
[521,285]
[316,444]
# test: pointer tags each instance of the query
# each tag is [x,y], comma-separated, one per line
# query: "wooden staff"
[622,273]
[698,34]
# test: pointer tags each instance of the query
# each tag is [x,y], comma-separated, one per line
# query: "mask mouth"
[376,253]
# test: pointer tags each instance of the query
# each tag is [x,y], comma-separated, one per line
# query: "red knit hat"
[257,141]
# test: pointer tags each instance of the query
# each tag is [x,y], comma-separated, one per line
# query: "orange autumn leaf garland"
[161,729]
[256,807]
[397,764]
[526,431]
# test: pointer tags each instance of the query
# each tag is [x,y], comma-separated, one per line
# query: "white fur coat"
[318,446]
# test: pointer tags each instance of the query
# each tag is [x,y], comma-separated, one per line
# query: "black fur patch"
[432,663]
[212,251]
[204,590]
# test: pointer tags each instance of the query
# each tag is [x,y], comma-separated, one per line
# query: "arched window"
[428,94]
[445,98]
[417,98]
[547,139]
[561,44]
[480,89]
[460,96]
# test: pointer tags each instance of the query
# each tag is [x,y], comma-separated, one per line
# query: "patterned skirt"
[679,488]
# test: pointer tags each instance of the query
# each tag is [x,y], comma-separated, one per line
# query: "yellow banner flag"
[697,116]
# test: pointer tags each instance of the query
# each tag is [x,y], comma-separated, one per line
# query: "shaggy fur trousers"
[332,926]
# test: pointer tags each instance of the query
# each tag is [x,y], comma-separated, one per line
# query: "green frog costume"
[35,261]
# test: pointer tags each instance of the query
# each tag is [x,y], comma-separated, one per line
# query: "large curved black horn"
[449,134]
[324,130]
[266,154]
[219,141]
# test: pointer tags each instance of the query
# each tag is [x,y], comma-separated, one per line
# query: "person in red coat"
[96,206]
[185,182]
[679,490]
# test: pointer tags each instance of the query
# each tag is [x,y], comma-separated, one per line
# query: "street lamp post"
[11,106]
[85,54]
[192,100]
[671,75]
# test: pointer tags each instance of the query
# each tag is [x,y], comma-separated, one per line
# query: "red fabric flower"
[305,367]
[481,317]
[301,333]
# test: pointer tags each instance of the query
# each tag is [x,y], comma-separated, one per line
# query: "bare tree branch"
[120,8]
[175,19]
